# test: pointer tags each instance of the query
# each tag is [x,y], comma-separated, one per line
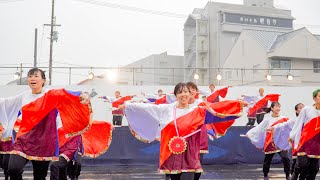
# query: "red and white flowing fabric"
[263,139]
[306,133]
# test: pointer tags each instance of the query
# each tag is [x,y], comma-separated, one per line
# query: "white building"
[295,53]
[211,32]
[156,69]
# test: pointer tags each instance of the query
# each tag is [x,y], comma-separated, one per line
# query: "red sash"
[120,101]
[309,131]
[74,115]
[221,128]
[269,144]
[186,124]
[191,122]
[214,97]
[260,104]
[17,125]
[161,100]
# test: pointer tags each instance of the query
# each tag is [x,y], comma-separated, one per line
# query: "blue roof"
[281,39]
[264,38]
[271,40]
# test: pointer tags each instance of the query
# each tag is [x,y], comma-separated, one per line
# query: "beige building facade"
[295,53]
[211,33]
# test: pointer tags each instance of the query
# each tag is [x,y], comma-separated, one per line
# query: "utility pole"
[35,47]
[53,23]
[20,74]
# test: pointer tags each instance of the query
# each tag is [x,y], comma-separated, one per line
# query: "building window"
[316,66]
[202,78]
[228,74]
[163,81]
[280,64]
[163,64]
[139,69]
[202,62]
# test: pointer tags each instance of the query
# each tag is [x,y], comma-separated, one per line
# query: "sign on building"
[257,20]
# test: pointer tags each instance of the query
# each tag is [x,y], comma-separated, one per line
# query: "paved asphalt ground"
[150,172]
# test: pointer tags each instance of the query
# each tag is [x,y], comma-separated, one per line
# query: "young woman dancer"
[281,134]
[180,125]
[305,136]
[262,138]
[36,138]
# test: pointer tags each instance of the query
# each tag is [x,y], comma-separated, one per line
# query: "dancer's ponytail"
[269,109]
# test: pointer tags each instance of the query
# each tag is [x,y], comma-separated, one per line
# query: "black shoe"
[294,176]
[288,177]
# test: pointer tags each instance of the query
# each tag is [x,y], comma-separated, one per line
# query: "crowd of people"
[53,127]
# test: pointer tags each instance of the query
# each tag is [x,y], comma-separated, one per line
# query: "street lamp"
[219,77]
[196,76]
[90,75]
[16,75]
[269,77]
[290,77]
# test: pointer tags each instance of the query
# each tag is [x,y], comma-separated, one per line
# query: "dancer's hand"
[270,129]
[84,98]
[244,103]
[208,107]
[121,107]
[290,140]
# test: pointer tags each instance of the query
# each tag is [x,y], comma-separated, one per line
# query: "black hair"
[296,108]
[179,88]
[267,110]
[160,90]
[193,85]
[35,70]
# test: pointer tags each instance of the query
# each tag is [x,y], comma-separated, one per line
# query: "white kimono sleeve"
[145,120]
[281,134]
[151,96]
[110,99]
[171,98]
[9,109]
[257,135]
[295,133]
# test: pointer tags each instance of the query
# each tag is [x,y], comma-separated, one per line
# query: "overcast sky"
[97,35]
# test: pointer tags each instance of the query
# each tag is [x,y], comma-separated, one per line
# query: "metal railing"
[167,76]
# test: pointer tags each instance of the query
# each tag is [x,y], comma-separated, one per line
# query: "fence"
[168,76]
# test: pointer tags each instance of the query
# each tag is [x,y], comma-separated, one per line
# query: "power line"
[60,72]
[133,9]
[61,62]
[9,1]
